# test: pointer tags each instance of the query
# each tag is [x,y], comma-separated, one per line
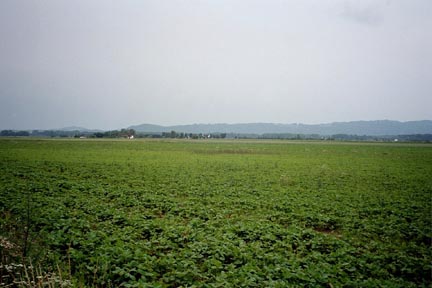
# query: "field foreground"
[217,214]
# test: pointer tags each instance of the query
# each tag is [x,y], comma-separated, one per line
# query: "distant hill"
[371,128]
[77,128]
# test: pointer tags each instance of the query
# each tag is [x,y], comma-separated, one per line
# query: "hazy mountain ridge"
[77,128]
[372,128]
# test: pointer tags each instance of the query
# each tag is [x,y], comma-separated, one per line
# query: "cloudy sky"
[110,64]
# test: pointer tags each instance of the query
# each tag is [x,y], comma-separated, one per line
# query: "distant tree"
[6,133]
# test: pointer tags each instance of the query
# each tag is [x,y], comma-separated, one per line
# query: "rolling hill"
[372,128]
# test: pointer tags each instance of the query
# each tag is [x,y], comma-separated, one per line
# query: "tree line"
[131,133]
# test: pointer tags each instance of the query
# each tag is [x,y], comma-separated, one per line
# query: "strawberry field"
[203,213]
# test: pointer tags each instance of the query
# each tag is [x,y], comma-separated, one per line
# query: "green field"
[207,213]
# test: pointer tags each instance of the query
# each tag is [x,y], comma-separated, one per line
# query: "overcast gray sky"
[110,64]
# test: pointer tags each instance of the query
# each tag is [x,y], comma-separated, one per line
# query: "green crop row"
[218,213]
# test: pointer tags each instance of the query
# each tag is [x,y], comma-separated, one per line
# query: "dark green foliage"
[220,213]
[14,133]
